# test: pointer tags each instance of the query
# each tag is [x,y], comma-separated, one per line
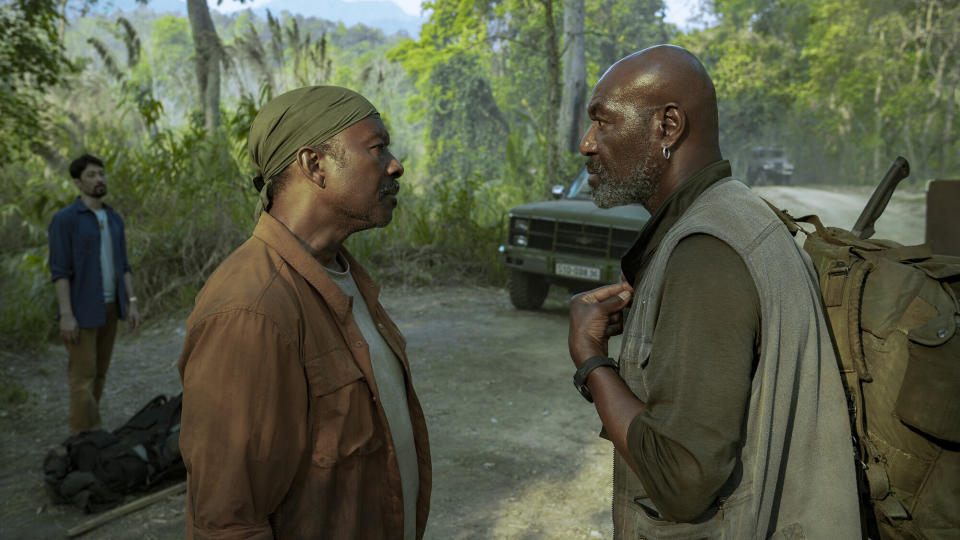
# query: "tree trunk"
[571,119]
[207,47]
[553,96]
[878,128]
[62,24]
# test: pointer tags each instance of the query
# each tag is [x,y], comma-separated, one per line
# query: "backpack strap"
[793,223]
[786,218]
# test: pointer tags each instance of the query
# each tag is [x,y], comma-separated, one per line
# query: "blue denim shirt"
[74,236]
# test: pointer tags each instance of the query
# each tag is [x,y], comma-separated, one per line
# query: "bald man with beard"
[726,408]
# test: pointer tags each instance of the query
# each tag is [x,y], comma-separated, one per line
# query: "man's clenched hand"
[594,317]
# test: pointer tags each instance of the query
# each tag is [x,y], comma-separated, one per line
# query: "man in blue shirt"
[89,268]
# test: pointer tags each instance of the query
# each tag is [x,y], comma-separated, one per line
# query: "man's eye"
[599,123]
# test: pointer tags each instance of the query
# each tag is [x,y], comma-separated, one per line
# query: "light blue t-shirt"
[107,272]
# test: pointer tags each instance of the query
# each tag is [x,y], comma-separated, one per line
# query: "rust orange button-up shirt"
[283,434]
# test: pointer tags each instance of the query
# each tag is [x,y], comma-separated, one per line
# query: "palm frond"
[131,39]
[109,62]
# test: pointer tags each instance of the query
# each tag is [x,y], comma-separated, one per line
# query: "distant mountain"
[381,14]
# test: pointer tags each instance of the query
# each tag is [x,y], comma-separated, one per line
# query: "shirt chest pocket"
[343,414]
[87,242]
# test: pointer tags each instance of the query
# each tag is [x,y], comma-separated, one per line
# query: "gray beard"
[638,187]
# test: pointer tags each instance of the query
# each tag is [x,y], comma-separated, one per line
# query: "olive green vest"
[795,477]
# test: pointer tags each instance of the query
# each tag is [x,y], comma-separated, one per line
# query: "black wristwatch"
[590,364]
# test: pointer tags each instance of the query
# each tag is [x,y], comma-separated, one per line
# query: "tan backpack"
[894,316]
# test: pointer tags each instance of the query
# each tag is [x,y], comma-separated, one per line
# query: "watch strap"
[588,365]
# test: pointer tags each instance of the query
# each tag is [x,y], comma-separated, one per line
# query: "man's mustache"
[593,167]
[391,188]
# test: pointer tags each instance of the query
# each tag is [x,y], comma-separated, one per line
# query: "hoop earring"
[666,153]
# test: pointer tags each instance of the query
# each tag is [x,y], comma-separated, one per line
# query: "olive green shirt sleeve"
[685,444]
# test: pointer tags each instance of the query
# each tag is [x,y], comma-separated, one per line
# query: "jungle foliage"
[471,105]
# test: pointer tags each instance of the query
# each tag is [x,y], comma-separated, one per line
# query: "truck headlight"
[521,225]
[520,240]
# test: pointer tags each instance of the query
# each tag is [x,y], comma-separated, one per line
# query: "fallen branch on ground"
[126,509]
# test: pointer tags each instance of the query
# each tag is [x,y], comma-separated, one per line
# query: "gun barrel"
[899,170]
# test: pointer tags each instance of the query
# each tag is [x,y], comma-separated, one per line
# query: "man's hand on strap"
[595,316]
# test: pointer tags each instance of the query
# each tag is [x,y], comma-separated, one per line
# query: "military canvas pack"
[894,316]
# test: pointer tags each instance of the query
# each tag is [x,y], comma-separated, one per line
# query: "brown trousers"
[89,360]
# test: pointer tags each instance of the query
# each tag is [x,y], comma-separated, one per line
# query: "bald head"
[665,74]
[654,124]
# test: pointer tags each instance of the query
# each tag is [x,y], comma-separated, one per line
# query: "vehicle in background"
[568,242]
[768,165]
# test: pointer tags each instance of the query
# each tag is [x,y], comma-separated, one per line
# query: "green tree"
[169,46]
[616,28]
[32,59]
[844,85]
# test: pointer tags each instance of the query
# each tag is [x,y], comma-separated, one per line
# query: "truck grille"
[541,234]
[579,239]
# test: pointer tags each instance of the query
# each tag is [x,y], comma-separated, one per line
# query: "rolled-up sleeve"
[244,422]
[685,444]
[58,238]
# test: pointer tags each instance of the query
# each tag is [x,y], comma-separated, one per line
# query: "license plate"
[577,271]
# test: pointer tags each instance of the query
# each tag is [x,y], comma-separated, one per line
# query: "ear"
[312,164]
[672,124]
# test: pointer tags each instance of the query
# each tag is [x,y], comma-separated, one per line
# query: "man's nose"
[395,168]
[588,144]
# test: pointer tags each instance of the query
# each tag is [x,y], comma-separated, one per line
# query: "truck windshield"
[769,153]
[580,188]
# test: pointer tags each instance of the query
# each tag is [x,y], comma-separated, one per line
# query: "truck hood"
[632,216]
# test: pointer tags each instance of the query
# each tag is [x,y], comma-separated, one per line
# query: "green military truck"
[768,165]
[567,242]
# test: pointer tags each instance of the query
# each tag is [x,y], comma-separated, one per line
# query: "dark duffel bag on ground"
[94,469]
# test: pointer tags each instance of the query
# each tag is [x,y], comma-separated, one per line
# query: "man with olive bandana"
[299,415]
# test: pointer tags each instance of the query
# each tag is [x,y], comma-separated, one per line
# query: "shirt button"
[358,344]
[379,325]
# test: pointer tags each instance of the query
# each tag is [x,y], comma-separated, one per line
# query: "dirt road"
[515,449]
[903,221]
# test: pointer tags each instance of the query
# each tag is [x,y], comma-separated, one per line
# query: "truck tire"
[527,291]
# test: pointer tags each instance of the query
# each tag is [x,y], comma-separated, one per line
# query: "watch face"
[582,388]
[580,376]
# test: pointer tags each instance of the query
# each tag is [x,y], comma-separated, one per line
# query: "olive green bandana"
[306,116]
